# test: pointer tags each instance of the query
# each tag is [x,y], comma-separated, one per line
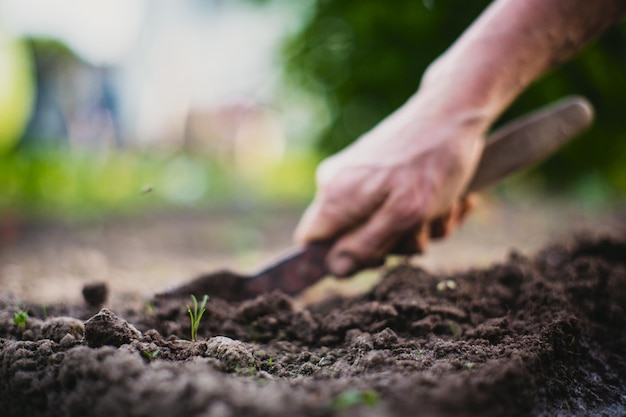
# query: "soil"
[540,336]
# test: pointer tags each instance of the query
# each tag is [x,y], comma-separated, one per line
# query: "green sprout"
[148,308]
[454,330]
[150,355]
[20,318]
[196,314]
[352,398]
[469,366]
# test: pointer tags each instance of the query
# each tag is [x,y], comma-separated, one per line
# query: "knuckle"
[408,212]
[326,172]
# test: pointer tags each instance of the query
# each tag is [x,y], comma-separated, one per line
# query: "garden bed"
[540,336]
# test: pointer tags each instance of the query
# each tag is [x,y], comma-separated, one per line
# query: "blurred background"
[208,117]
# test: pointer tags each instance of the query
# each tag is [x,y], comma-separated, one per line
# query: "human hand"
[394,188]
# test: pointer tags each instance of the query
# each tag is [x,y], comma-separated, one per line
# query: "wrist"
[466,88]
[448,100]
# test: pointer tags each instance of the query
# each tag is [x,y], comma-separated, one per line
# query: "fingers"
[413,242]
[367,245]
[341,203]
[443,226]
[386,232]
[417,239]
[468,203]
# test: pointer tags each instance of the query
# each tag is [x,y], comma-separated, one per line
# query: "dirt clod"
[105,328]
[57,328]
[96,294]
[233,353]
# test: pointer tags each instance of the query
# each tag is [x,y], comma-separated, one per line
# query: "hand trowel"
[512,148]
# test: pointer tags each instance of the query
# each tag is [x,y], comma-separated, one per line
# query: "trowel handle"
[529,139]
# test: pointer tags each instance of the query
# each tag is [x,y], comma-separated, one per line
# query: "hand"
[441,227]
[395,187]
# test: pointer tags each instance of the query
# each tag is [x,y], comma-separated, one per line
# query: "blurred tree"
[365,58]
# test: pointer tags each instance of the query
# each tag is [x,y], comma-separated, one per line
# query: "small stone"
[360,340]
[451,284]
[231,352]
[58,327]
[448,284]
[219,409]
[105,328]
[264,375]
[385,339]
[67,340]
[96,294]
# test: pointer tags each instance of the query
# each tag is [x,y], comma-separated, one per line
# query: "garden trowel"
[510,149]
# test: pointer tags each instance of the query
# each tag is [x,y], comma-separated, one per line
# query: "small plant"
[469,366]
[252,366]
[196,314]
[149,308]
[352,398]
[454,331]
[20,318]
[150,355]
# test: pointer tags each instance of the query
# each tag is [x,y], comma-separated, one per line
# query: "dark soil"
[541,337]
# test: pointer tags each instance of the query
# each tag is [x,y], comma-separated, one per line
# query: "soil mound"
[542,336]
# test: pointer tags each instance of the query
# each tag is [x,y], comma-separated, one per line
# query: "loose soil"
[539,336]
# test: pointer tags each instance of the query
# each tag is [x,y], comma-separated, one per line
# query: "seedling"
[196,314]
[469,366]
[454,331]
[150,355]
[149,308]
[20,318]
[252,365]
[352,398]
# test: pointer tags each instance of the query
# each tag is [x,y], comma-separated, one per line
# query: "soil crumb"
[542,336]
[96,294]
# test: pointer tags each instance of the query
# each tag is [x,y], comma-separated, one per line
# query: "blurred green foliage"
[59,183]
[43,176]
[16,89]
[365,58]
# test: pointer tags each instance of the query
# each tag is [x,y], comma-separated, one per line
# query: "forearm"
[509,46]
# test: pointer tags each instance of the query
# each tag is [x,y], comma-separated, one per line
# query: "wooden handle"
[529,139]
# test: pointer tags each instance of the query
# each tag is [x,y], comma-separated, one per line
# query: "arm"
[412,168]
[513,43]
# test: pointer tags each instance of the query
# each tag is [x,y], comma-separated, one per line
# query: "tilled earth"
[541,336]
